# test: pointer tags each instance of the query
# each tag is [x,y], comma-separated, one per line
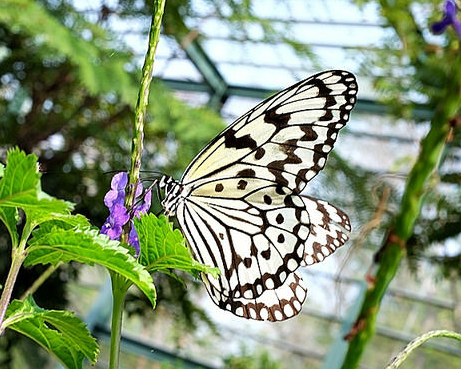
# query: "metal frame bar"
[363,105]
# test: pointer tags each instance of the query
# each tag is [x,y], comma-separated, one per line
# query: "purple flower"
[142,208]
[449,18]
[116,195]
[117,219]
[133,240]
[119,216]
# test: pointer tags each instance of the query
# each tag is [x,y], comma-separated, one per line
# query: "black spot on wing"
[309,133]
[250,173]
[266,254]
[279,219]
[259,153]
[244,142]
[241,185]
[279,120]
[323,89]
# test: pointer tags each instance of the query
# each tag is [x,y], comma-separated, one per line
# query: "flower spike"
[118,214]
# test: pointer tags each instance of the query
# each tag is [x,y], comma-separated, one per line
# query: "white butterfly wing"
[255,234]
[329,230]
[286,138]
[273,305]
[242,212]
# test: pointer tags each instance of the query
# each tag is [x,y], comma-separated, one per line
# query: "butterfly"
[239,202]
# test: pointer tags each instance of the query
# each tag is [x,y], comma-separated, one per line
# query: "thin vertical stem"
[40,280]
[140,110]
[119,289]
[17,258]
[119,284]
[393,249]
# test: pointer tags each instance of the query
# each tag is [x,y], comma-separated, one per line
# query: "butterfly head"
[173,191]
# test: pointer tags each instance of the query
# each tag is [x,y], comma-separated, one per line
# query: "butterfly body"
[239,202]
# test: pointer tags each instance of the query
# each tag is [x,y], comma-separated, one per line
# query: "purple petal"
[119,215]
[450,8]
[139,190]
[457,27]
[143,208]
[133,240]
[439,27]
[111,230]
[114,197]
[119,181]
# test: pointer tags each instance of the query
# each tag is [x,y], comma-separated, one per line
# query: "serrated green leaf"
[9,216]
[86,245]
[59,332]
[20,182]
[163,248]
[65,221]
[20,188]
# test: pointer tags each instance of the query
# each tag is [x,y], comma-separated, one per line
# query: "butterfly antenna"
[114,171]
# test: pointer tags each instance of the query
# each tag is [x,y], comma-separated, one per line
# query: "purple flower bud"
[449,18]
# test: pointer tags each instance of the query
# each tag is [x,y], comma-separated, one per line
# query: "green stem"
[17,258]
[418,341]
[119,284]
[140,110]
[40,280]
[393,249]
[119,288]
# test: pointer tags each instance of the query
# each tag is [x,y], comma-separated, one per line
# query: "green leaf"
[86,245]
[163,248]
[2,168]
[20,187]
[60,333]
[9,216]
[20,183]
[66,221]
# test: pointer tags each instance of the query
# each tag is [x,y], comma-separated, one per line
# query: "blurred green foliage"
[412,70]
[247,360]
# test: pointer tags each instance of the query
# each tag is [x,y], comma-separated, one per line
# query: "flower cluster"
[119,216]
[449,18]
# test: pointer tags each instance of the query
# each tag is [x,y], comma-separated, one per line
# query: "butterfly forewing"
[242,211]
[290,133]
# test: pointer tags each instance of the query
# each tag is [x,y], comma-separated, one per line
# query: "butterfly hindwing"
[273,305]
[254,235]
[329,228]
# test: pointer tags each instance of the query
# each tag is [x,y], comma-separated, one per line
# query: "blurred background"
[69,74]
